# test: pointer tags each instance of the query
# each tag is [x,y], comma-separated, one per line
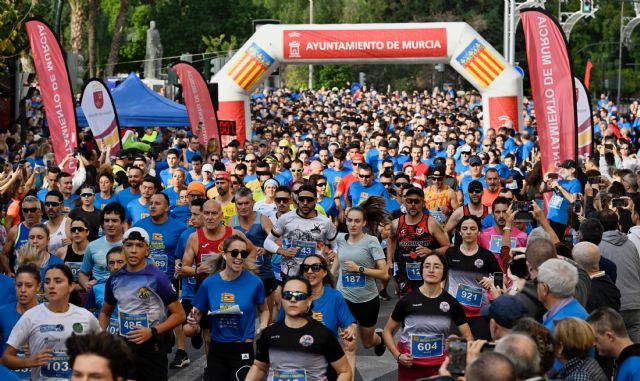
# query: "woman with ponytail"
[298,347]
[361,262]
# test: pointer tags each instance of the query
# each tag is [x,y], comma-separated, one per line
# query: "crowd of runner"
[276,256]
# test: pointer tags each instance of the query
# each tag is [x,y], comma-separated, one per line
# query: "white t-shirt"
[39,327]
[265,209]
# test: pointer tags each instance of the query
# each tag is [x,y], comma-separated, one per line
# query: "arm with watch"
[379,272]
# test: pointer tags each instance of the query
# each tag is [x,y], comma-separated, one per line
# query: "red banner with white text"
[197,98]
[552,88]
[55,87]
[300,44]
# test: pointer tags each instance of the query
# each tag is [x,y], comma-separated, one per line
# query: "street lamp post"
[310,66]
[620,51]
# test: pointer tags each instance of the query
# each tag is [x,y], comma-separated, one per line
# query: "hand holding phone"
[457,355]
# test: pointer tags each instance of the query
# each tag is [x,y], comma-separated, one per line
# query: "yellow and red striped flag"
[483,65]
[250,66]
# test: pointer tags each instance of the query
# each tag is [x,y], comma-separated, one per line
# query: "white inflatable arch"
[456,44]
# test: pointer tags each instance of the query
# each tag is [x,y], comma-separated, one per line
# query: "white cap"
[137,234]
[207,168]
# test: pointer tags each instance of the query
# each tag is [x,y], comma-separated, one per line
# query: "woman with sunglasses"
[37,250]
[73,253]
[230,298]
[319,182]
[298,347]
[470,276]
[426,316]
[46,327]
[28,283]
[361,262]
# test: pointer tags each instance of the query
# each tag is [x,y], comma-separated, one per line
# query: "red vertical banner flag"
[587,73]
[585,121]
[55,87]
[552,88]
[197,98]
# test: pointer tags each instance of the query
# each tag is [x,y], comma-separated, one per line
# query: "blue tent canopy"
[139,106]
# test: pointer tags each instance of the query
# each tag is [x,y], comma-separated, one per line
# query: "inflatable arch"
[456,44]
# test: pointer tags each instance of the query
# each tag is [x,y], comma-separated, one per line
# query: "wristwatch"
[361,269]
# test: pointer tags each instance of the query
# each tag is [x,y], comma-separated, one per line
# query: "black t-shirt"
[289,351]
[424,316]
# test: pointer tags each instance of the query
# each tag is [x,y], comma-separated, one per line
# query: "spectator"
[575,338]
[603,292]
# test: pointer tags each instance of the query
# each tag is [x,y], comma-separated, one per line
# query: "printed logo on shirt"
[478,263]
[318,316]
[77,328]
[157,237]
[419,231]
[306,340]
[444,306]
[227,297]
[143,293]
[51,328]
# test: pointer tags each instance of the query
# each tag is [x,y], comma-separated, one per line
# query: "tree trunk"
[91,36]
[117,37]
[77,25]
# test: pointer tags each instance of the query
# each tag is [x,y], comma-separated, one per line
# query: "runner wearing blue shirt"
[115,261]
[564,194]
[134,176]
[94,261]
[335,174]
[106,195]
[166,175]
[232,298]
[365,188]
[139,208]
[475,173]
[143,294]
[28,283]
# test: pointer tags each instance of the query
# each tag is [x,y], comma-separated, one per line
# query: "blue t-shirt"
[100,202]
[94,261]
[571,309]
[164,239]
[558,205]
[137,211]
[358,193]
[334,176]
[503,170]
[188,282]
[180,213]
[215,295]
[69,204]
[95,299]
[329,206]
[331,310]
[172,194]
[53,260]
[8,319]
[166,176]
[7,375]
[147,291]
[7,290]
[629,370]
[125,196]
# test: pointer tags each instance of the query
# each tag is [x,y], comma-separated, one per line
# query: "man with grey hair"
[523,353]
[603,292]
[556,283]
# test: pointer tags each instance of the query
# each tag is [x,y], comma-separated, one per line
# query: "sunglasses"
[321,184]
[303,199]
[297,170]
[294,296]
[250,161]
[29,210]
[242,253]
[365,176]
[235,183]
[403,185]
[221,179]
[412,201]
[436,178]
[386,184]
[475,191]
[465,153]
[52,203]
[356,164]
[86,195]
[77,229]
[282,200]
[315,267]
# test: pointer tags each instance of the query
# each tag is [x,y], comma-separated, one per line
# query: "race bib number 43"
[305,248]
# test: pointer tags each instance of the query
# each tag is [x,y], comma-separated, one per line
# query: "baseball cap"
[122,154]
[438,139]
[195,186]
[475,159]
[207,168]
[465,149]
[270,159]
[568,164]
[475,185]
[505,310]
[138,234]
[223,175]
[438,171]
[357,156]
[284,143]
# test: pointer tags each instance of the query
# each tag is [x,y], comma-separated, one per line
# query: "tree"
[91,36]
[117,37]
[77,25]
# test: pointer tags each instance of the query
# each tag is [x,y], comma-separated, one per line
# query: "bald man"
[316,168]
[603,292]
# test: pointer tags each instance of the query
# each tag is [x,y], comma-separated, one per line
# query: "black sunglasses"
[282,200]
[29,210]
[386,184]
[365,176]
[294,295]
[303,199]
[86,195]
[315,267]
[52,203]
[242,253]
[77,229]
[321,184]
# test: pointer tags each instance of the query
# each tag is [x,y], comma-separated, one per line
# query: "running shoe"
[380,348]
[180,360]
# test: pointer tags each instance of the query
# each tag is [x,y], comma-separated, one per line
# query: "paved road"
[368,366]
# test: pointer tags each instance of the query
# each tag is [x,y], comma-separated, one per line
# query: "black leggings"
[229,361]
